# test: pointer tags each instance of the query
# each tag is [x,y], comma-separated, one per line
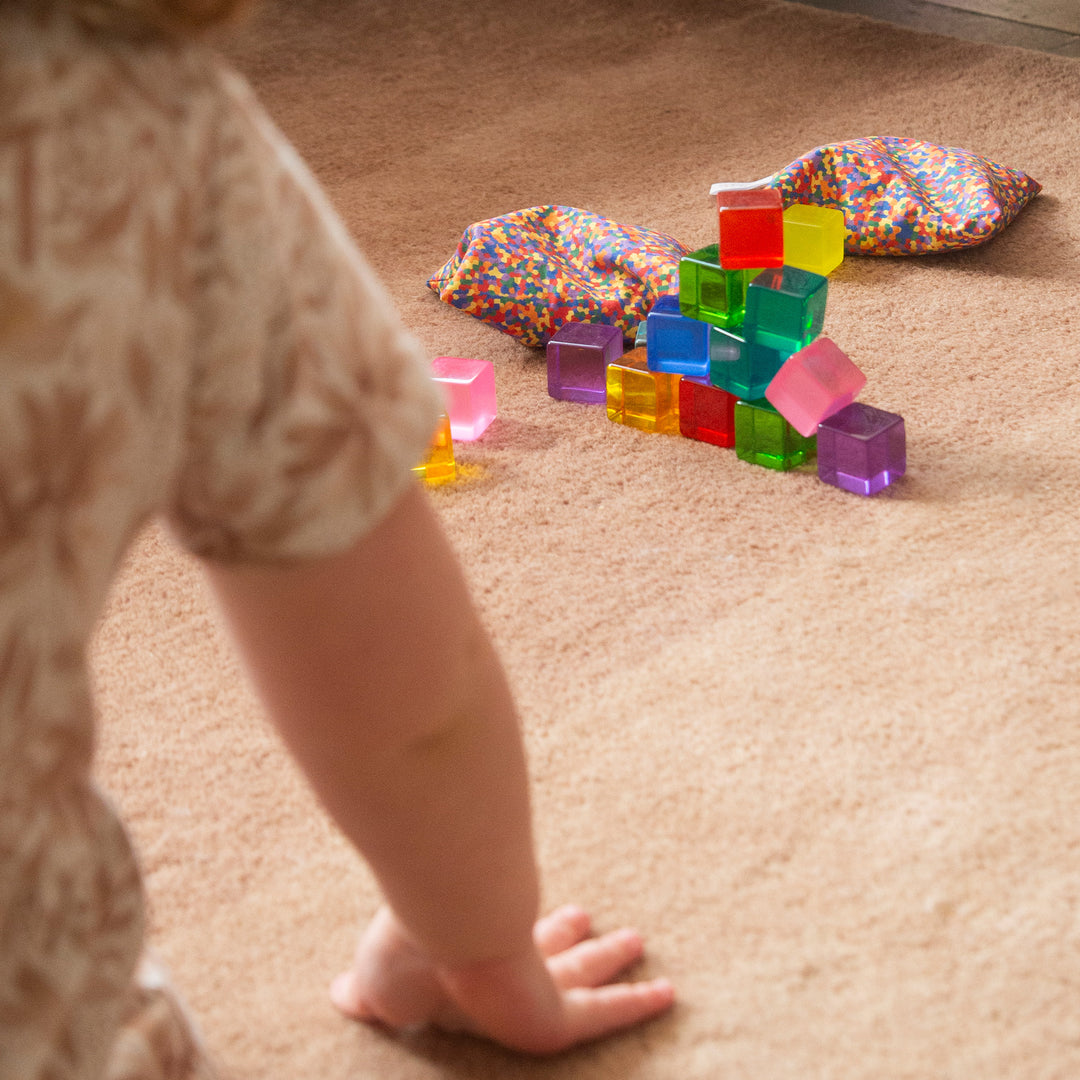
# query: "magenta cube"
[469,390]
[861,449]
[814,383]
[577,358]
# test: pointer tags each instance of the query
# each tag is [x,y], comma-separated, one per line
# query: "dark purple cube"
[861,449]
[577,358]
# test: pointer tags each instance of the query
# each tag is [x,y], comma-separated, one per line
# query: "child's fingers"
[591,1014]
[560,930]
[596,961]
[348,997]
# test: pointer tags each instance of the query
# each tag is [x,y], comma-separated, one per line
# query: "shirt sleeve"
[309,403]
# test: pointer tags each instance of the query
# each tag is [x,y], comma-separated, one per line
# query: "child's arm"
[383,683]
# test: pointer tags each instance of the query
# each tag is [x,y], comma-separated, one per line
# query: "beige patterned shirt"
[185,331]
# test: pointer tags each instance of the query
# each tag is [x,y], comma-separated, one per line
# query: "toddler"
[187,333]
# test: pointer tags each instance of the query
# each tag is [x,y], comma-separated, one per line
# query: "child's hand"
[546,1000]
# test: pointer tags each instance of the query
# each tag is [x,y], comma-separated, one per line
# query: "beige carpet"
[821,749]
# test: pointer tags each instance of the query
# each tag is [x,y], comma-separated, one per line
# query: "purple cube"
[577,359]
[861,449]
[469,390]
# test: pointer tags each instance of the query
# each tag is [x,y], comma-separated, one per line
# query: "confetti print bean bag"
[529,272]
[903,196]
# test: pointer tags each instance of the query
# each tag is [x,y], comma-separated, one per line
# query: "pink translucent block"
[469,391]
[814,383]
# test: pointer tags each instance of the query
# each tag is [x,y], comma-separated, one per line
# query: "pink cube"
[469,390]
[814,383]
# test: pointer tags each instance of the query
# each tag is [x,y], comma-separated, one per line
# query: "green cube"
[710,293]
[785,307]
[764,437]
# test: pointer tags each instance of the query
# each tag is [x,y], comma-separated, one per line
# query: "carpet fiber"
[821,749]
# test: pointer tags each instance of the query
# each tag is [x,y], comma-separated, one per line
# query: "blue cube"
[675,343]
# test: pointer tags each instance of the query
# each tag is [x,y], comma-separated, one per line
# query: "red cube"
[751,229]
[706,412]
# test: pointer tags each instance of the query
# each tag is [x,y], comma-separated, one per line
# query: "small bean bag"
[529,272]
[903,196]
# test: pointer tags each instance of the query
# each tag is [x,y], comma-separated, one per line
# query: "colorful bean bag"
[903,196]
[529,272]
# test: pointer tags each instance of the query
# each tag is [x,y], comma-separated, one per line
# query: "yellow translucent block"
[640,398]
[439,466]
[814,238]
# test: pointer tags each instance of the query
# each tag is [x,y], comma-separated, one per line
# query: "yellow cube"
[640,398]
[814,238]
[439,466]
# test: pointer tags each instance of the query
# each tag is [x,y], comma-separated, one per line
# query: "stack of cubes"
[737,357]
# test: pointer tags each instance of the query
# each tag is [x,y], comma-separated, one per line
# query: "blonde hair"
[171,18]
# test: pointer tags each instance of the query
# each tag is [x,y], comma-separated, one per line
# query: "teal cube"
[743,367]
[785,307]
[710,293]
[764,437]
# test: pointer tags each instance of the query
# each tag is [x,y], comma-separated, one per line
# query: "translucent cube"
[814,238]
[741,367]
[817,381]
[785,307]
[709,292]
[764,437]
[862,449]
[469,390]
[439,466]
[706,412]
[642,398]
[751,229]
[577,358]
[675,343]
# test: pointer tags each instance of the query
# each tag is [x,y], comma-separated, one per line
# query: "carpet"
[821,749]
